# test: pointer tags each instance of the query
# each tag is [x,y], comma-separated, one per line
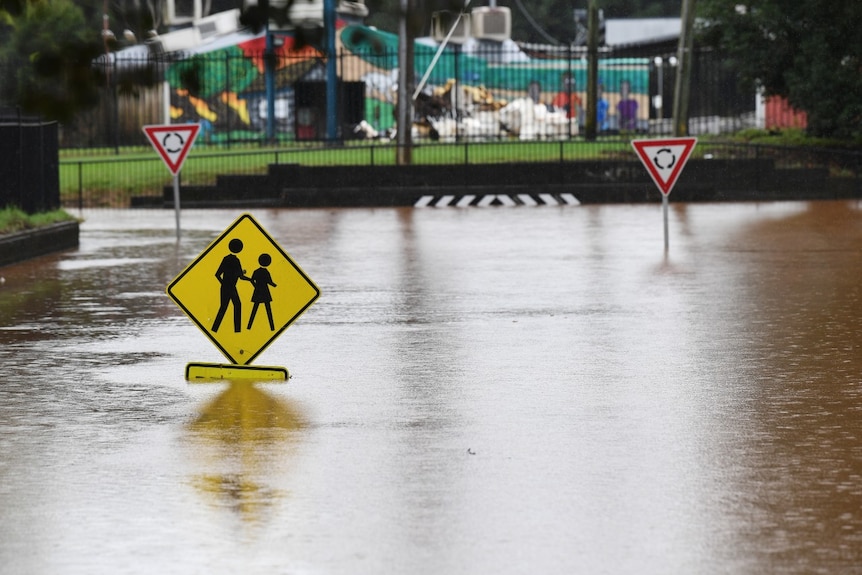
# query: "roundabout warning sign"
[173,142]
[664,159]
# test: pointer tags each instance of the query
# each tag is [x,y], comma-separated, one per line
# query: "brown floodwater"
[497,390]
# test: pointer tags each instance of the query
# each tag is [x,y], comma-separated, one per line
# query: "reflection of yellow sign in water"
[242,441]
[243,291]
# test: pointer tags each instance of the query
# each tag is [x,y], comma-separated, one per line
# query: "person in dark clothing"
[228,274]
[261,280]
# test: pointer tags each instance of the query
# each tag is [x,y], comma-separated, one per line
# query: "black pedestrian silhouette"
[261,280]
[229,272]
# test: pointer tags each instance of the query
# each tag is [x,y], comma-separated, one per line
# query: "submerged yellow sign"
[243,291]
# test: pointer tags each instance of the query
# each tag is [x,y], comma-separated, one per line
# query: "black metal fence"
[142,180]
[244,97]
[28,162]
[257,109]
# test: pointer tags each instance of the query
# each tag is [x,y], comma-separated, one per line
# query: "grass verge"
[114,179]
[16,220]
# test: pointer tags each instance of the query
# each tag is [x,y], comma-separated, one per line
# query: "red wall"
[779,114]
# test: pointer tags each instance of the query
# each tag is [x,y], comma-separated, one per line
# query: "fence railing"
[475,96]
[257,109]
[140,178]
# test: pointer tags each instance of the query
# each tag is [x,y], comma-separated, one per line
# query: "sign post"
[242,291]
[664,160]
[173,142]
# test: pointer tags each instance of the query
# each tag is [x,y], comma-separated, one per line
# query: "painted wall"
[225,90]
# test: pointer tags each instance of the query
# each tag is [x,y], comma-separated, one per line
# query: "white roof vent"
[492,23]
[442,22]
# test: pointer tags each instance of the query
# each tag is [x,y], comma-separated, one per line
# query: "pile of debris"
[454,111]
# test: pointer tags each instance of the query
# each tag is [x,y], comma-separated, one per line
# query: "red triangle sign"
[664,159]
[173,142]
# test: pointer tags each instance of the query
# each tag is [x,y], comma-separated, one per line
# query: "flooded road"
[524,390]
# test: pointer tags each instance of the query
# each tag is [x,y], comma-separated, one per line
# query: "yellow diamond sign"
[243,291]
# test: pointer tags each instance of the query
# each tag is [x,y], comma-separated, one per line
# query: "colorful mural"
[225,89]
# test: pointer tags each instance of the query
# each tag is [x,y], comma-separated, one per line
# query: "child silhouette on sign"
[228,273]
[261,280]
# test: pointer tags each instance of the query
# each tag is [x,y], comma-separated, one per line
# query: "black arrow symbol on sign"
[664,151]
[165,142]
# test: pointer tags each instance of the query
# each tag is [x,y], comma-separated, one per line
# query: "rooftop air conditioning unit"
[193,36]
[218,24]
[179,12]
[354,8]
[176,41]
[306,13]
[286,14]
[441,23]
[492,23]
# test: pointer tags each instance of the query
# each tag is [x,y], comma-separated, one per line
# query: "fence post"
[80,186]
[227,91]
[457,88]
[756,158]
[858,174]
[20,158]
[116,98]
[332,83]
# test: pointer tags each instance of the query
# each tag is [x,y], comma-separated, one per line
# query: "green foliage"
[794,137]
[809,51]
[47,60]
[15,219]
[131,173]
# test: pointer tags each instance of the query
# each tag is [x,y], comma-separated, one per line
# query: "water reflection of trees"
[803,461]
[112,290]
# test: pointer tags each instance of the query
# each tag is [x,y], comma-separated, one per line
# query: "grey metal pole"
[683,72]
[331,72]
[177,203]
[405,102]
[269,84]
[592,70]
[664,204]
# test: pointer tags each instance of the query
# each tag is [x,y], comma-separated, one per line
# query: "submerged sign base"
[220,371]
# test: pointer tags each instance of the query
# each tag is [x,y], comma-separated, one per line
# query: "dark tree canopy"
[809,51]
[47,56]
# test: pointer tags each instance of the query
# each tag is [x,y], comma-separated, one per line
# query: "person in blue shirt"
[601,110]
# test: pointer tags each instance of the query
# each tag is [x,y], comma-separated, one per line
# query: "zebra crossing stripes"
[485,200]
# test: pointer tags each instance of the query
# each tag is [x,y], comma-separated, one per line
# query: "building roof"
[641,30]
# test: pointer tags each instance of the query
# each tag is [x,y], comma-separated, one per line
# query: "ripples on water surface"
[477,391]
